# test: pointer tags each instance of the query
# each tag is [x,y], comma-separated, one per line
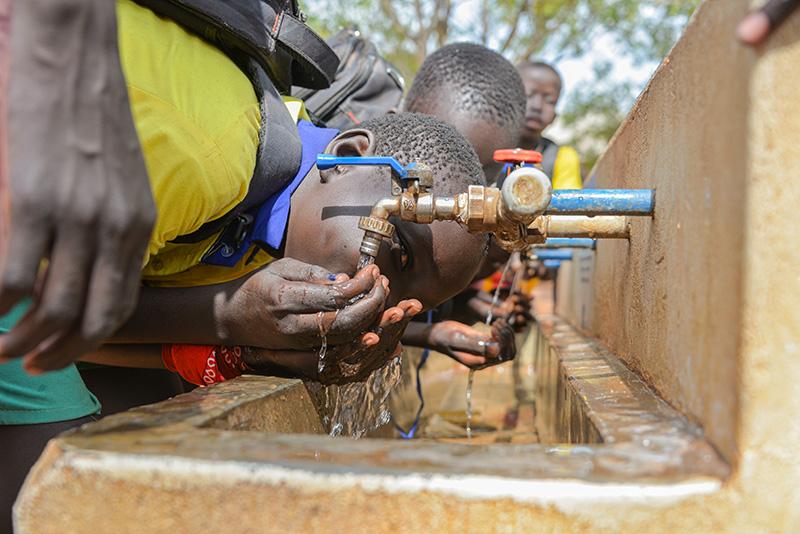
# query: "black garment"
[117,388]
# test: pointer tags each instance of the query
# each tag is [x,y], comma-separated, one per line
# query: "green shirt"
[48,398]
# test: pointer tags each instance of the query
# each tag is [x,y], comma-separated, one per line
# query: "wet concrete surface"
[260,439]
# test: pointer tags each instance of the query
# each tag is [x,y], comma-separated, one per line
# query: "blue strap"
[409,434]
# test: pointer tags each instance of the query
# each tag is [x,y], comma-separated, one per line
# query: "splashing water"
[471,376]
[357,408]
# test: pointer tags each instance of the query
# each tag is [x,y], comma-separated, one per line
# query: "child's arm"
[278,307]
[209,364]
[137,356]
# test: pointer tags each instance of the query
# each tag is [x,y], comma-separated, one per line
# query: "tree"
[406,31]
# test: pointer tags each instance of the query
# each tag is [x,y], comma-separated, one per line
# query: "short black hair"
[415,137]
[474,79]
[538,64]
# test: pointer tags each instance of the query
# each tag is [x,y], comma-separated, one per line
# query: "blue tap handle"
[327,161]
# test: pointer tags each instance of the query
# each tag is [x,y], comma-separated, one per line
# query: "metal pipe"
[568,242]
[602,202]
[553,254]
[610,227]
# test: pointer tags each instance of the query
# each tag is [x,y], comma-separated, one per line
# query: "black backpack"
[366,85]
[271,44]
[271,32]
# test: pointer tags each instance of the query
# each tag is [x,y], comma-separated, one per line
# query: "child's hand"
[279,307]
[348,362]
[518,311]
[352,362]
[471,347]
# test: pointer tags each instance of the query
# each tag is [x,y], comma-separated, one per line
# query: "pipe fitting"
[526,193]
[607,227]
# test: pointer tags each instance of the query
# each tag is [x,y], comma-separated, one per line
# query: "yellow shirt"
[567,169]
[198,120]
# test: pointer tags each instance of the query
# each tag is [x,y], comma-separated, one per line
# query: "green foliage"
[407,30]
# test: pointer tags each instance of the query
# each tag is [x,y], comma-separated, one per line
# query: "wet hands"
[346,362]
[279,306]
[354,361]
[471,347]
[514,308]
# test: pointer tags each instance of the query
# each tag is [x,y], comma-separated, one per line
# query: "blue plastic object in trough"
[569,242]
[552,264]
[554,254]
[602,202]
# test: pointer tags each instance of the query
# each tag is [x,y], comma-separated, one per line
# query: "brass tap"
[505,212]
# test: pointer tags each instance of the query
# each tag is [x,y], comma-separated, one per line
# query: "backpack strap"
[277,160]
[549,150]
[270,31]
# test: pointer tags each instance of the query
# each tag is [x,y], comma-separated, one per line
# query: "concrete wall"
[704,302]
[711,281]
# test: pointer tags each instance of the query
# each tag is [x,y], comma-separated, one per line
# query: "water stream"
[359,407]
[471,377]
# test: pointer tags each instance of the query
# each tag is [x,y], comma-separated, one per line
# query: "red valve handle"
[517,155]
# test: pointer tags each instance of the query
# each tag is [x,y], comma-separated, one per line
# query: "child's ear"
[355,142]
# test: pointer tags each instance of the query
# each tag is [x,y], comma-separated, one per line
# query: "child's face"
[542,89]
[427,262]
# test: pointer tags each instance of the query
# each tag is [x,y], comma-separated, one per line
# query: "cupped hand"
[290,305]
[471,347]
[344,363]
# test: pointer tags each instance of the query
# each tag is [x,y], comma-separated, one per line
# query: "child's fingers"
[298,271]
[410,307]
[360,283]
[306,297]
[361,315]
[370,339]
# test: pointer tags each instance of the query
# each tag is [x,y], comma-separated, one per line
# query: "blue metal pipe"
[552,264]
[569,242]
[553,254]
[602,202]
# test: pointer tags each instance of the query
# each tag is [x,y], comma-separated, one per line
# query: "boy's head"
[428,262]
[542,88]
[476,90]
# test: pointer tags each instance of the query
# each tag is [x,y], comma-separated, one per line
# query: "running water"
[364,260]
[323,350]
[489,318]
[357,408]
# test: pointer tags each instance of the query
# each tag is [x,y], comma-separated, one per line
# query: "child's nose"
[535,101]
